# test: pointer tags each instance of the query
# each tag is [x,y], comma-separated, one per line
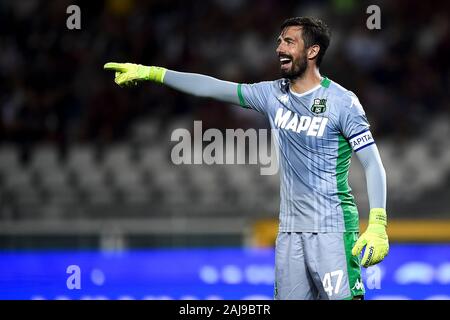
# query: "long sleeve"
[375,176]
[202,86]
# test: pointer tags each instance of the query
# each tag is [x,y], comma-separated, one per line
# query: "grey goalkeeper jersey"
[316,132]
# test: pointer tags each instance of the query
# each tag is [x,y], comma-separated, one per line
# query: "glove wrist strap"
[378,216]
[156,74]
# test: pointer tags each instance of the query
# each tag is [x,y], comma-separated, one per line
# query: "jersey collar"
[325,82]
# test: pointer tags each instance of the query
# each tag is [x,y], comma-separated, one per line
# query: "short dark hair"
[314,32]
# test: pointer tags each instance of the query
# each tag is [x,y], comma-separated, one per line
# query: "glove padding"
[375,239]
[130,74]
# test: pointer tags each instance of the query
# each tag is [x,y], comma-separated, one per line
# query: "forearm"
[375,238]
[202,86]
[375,176]
[190,83]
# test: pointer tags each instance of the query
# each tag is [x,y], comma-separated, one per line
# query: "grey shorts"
[310,266]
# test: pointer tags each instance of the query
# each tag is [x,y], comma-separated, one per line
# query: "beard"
[297,69]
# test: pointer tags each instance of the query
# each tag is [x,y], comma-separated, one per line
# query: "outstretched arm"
[190,83]
[375,238]
[202,86]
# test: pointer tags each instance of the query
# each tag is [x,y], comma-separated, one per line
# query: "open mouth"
[285,60]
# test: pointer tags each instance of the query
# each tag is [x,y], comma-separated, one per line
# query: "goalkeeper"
[317,123]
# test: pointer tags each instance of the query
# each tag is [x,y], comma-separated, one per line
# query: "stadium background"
[86,179]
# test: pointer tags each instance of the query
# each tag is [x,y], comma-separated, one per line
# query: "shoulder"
[276,85]
[344,99]
[268,87]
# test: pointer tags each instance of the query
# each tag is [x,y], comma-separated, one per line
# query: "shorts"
[317,266]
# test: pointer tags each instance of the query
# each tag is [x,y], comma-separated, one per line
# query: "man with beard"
[317,124]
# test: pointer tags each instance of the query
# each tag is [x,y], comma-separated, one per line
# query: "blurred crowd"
[53,87]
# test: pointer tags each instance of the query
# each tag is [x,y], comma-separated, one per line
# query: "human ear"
[313,51]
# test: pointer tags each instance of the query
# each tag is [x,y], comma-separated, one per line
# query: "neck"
[310,79]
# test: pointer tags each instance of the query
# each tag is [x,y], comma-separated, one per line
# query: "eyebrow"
[285,39]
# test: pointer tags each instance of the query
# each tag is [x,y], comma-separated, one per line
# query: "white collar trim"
[305,93]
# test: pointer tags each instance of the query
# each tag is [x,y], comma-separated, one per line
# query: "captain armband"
[361,140]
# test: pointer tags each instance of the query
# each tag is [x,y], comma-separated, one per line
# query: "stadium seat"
[9,158]
[44,158]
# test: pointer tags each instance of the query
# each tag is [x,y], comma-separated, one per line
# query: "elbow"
[383,171]
[377,169]
[374,166]
[381,168]
[201,94]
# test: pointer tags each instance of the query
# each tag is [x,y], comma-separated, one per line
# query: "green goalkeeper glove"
[130,73]
[375,239]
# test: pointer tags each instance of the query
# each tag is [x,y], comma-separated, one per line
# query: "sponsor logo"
[284,98]
[369,256]
[358,285]
[311,126]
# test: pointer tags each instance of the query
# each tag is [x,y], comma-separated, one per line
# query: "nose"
[279,49]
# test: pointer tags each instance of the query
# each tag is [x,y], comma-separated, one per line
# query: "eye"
[289,41]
